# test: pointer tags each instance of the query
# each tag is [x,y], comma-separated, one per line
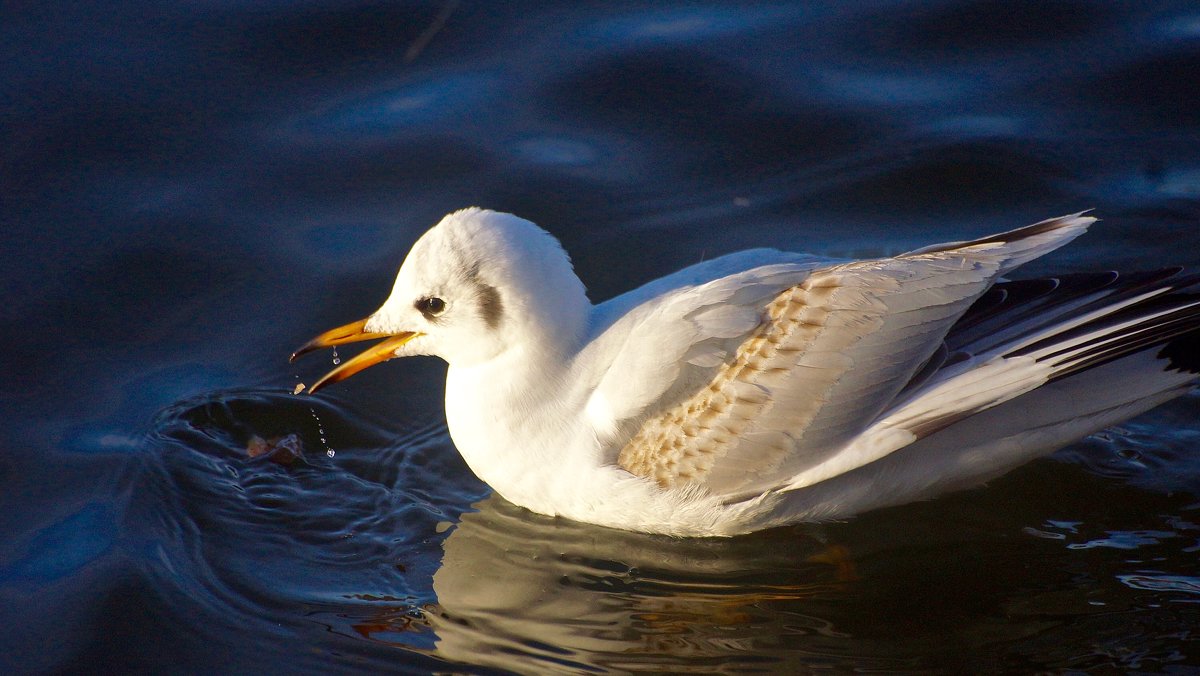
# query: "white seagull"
[764,388]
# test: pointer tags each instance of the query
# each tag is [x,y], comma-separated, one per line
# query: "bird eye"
[431,307]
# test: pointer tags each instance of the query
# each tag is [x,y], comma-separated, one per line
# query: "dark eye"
[431,307]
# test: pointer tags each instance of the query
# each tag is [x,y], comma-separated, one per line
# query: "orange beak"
[353,333]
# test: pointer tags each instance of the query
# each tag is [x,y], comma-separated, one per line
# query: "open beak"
[353,333]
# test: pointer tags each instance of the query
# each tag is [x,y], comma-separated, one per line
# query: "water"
[192,189]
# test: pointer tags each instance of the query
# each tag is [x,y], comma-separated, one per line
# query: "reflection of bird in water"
[763,388]
[532,594]
[573,597]
[838,557]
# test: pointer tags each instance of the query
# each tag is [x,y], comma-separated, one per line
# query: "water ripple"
[1159,582]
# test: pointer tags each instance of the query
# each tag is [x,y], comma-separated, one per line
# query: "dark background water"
[191,189]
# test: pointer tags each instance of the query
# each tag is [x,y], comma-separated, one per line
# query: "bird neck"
[509,416]
[509,395]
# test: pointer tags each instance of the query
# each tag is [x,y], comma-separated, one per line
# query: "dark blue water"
[191,189]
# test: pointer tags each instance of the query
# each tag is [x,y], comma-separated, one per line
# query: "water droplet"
[336,359]
[321,432]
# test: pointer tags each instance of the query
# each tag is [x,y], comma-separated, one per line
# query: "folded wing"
[783,378]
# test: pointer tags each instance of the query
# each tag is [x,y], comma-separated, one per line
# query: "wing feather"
[828,355]
[668,345]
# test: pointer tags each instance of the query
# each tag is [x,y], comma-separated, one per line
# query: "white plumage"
[764,387]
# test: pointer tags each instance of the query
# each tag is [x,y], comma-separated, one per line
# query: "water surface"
[191,189]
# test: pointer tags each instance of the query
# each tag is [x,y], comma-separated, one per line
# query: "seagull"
[766,388]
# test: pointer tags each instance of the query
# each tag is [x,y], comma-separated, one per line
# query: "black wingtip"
[1183,353]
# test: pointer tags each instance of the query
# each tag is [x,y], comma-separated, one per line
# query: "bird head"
[475,285]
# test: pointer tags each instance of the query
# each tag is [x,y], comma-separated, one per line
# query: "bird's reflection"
[524,592]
